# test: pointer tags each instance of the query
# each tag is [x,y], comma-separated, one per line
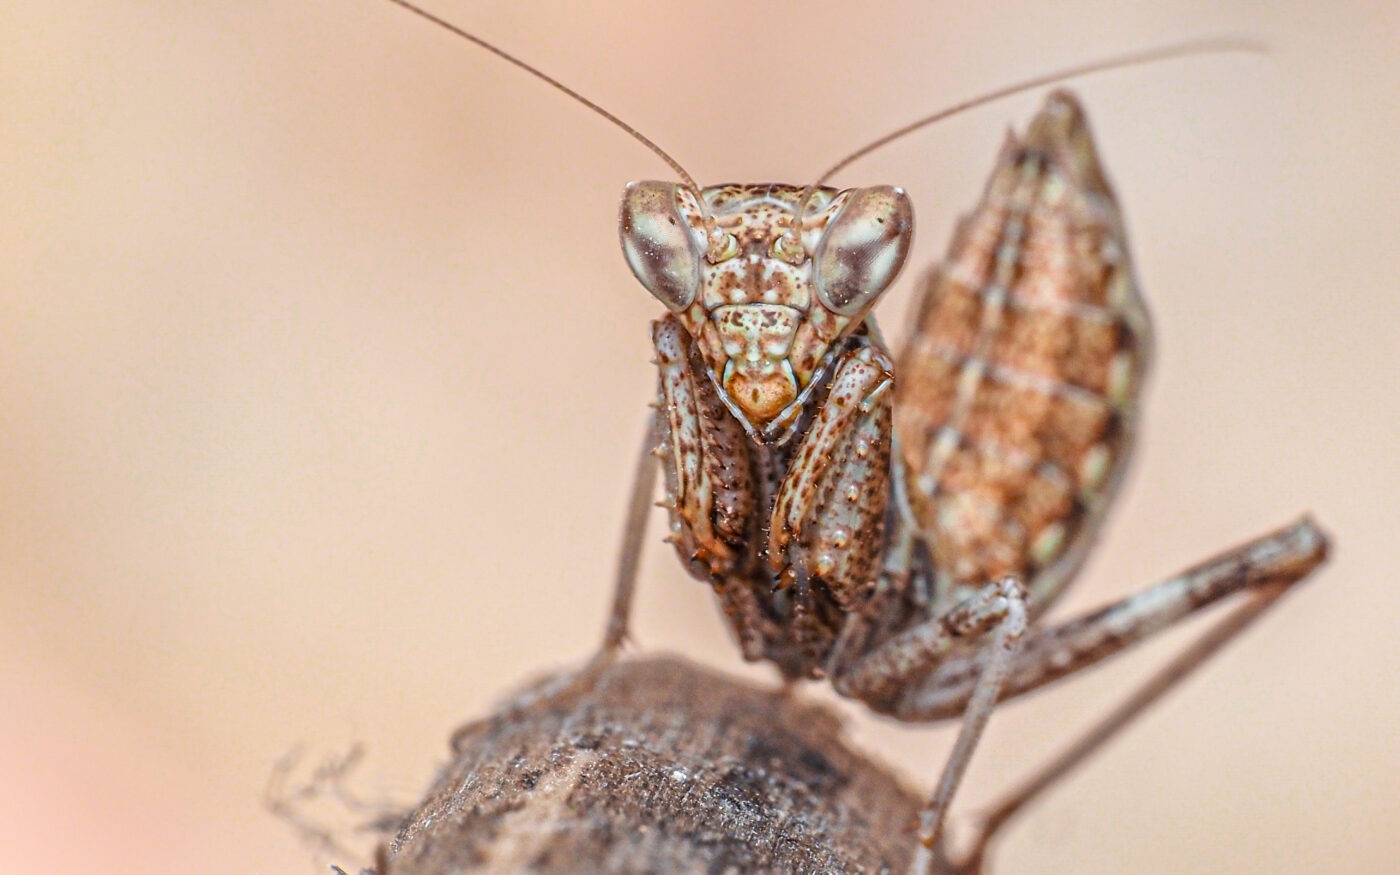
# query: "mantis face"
[766,298]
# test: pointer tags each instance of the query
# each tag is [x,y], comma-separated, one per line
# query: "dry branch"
[661,767]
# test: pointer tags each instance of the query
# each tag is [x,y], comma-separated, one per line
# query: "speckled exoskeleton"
[898,525]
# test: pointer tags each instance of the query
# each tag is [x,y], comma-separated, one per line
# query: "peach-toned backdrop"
[321,375]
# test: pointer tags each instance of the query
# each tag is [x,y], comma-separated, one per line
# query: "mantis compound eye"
[863,248]
[663,239]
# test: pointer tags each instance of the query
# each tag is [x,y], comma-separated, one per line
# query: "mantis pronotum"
[898,524]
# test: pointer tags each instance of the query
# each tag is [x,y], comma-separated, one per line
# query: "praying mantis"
[897,524]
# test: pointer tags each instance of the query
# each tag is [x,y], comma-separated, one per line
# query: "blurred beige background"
[321,376]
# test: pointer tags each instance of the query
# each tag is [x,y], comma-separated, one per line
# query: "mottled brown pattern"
[911,577]
[1013,401]
[764,334]
[709,477]
[1012,427]
[832,510]
[772,386]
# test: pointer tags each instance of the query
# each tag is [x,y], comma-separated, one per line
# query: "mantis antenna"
[1206,46]
[715,236]
[793,249]
[554,83]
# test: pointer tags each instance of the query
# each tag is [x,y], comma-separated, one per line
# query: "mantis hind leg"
[1261,572]
[1102,731]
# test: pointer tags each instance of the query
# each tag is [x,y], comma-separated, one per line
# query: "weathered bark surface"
[661,767]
